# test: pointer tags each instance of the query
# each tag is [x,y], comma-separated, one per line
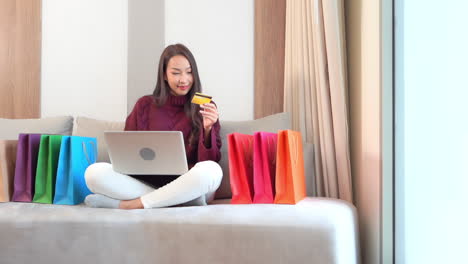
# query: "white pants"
[196,187]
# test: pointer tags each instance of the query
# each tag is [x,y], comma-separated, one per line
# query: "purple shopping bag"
[25,171]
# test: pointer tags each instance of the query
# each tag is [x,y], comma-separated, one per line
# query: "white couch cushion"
[89,127]
[316,230]
[95,128]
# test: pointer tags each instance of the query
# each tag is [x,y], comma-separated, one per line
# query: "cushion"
[316,230]
[88,127]
[271,123]
[7,168]
[10,128]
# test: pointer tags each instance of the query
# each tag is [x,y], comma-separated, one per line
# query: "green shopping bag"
[47,160]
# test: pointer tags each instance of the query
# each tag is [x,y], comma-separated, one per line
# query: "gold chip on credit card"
[199,98]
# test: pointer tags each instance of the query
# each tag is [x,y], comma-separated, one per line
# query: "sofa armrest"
[61,125]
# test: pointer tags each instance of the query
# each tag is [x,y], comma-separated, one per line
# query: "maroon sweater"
[146,116]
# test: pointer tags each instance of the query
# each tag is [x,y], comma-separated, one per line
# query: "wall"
[220,35]
[20,58]
[84,58]
[99,57]
[145,45]
[367,26]
[270,35]
[431,132]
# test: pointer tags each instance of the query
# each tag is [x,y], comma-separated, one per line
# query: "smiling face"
[179,75]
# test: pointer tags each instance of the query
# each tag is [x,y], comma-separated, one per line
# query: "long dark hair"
[162,90]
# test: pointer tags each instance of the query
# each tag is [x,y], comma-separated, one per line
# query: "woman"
[169,108]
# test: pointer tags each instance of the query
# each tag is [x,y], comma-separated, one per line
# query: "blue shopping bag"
[76,154]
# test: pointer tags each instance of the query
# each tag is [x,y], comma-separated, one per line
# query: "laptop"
[147,152]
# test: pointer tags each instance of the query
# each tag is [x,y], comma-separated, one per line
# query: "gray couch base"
[317,230]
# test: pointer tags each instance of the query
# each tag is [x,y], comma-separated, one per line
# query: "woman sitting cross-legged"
[168,109]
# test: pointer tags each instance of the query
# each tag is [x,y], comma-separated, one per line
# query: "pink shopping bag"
[264,166]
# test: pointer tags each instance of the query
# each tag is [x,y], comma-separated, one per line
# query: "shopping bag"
[240,156]
[47,160]
[76,154]
[7,168]
[25,168]
[290,178]
[264,160]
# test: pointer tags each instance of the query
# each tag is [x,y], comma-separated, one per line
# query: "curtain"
[315,89]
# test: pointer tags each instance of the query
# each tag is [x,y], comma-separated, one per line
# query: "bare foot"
[131,204]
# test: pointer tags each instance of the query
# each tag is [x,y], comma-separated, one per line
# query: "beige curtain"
[315,89]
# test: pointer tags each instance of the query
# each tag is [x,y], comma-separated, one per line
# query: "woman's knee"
[212,170]
[95,174]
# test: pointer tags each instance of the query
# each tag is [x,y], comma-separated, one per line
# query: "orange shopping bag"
[240,154]
[290,178]
[7,168]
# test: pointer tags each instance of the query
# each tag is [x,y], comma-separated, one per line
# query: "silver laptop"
[147,152]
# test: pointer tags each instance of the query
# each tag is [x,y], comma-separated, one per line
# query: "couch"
[316,230]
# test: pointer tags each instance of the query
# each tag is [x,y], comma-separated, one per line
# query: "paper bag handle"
[85,151]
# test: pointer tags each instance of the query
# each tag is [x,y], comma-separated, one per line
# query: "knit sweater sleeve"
[213,151]
[138,118]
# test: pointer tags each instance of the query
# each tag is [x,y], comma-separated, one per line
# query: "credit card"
[199,98]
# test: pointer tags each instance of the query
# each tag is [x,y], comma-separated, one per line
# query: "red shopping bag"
[290,177]
[240,155]
[264,166]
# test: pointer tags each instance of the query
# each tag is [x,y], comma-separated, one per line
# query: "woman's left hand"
[210,115]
